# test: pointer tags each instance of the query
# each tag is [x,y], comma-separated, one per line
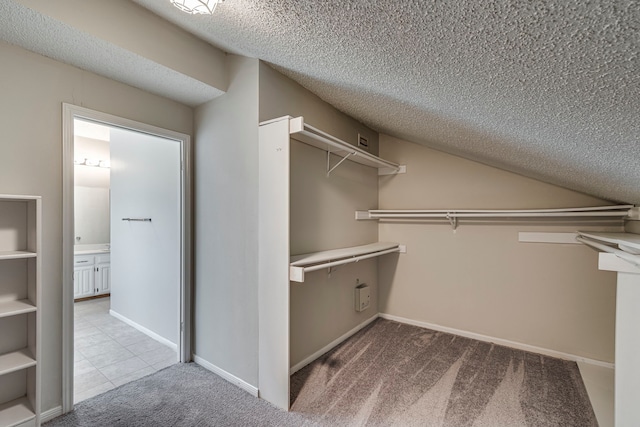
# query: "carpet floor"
[396,374]
[389,374]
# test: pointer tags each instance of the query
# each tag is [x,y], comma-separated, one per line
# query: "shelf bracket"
[453,220]
[392,171]
[353,153]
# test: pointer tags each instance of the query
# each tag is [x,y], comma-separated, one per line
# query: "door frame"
[69,113]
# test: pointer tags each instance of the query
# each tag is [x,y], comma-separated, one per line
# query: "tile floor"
[109,353]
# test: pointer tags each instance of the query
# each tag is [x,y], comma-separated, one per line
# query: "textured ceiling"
[548,89]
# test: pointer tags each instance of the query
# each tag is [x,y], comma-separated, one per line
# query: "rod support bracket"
[453,220]
[353,153]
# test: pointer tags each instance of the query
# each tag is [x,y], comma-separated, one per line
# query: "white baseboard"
[226,375]
[329,346]
[499,341]
[144,330]
[50,414]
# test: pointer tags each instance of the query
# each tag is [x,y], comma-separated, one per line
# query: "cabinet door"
[103,279]
[83,282]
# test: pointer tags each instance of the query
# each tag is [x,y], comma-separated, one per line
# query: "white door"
[145,231]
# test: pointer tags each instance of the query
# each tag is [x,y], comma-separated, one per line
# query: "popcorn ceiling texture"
[548,89]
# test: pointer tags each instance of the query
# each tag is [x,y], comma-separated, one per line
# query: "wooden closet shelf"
[625,241]
[305,263]
[17,255]
[14,308]
[16,412]
[309,135]
[16,360]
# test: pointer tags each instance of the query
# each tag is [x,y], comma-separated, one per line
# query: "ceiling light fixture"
[194,7]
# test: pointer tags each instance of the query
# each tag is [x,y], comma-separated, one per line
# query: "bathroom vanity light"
[205,7]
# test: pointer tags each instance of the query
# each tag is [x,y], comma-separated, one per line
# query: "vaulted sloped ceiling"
[548,89]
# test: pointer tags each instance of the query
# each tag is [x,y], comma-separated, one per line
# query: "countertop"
[92,251]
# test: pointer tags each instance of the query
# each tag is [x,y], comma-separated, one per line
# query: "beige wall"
[633,227]
[226,225]
[142,33]
[281,96]
[33,89]
[480,279]
[322,217]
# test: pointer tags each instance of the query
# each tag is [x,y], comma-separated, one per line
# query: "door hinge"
[181,326]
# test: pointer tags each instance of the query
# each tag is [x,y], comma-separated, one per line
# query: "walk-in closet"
[347,236]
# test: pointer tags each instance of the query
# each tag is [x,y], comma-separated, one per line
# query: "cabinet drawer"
[103,259]
[83,260]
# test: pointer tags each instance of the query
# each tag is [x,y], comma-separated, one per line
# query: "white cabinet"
[20,276]
[91,275]
[103,274]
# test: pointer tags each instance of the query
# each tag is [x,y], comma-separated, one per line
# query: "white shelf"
[16,360]
[16,412]
[628,242]
[23,214]
[14,308]
[14,198]
[309,135]
[17,255]
[305,263]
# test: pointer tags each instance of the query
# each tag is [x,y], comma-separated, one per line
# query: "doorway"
[149,238]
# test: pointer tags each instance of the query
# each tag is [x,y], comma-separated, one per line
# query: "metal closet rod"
[596,211]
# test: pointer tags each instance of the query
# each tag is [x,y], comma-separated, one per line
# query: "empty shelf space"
[16,360]
[300,264]
[309,135]
[17,255]
[13,308]
[16,412]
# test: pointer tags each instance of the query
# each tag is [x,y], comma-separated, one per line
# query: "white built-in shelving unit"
[277,266]
[20,297]
[620,252]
